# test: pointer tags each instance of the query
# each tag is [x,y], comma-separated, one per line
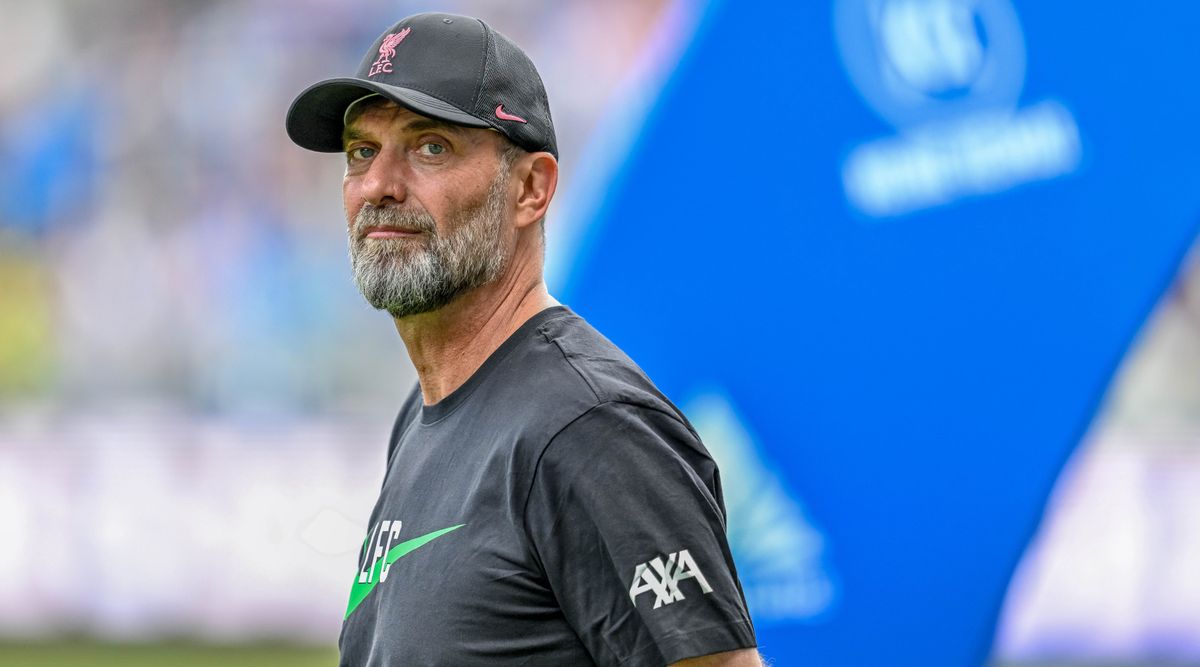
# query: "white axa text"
[662,578]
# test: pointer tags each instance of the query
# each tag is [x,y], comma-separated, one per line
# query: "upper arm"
[746,657]
[625,517]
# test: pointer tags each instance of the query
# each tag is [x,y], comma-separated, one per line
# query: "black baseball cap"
[453,68]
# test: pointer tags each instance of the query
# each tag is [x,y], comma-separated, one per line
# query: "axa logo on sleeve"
[948,75]
[662,578]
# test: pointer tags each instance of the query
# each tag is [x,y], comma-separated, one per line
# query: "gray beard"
[408,276]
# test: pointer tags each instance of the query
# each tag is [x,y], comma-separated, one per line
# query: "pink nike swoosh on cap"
[500,113]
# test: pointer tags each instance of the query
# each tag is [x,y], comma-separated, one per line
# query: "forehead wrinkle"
[423,124]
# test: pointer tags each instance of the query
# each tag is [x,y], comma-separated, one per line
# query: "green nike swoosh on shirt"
[358,592]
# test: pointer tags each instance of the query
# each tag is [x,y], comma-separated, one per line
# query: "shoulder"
[598,365]
[622,442]
[593,403]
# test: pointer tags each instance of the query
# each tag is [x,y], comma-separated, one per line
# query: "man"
[543,504]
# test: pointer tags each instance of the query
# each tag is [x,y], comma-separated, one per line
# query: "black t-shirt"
[556,509]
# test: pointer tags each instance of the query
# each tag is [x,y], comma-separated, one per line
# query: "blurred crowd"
[165,250]
[176,306]
[163,242]
[1155,398]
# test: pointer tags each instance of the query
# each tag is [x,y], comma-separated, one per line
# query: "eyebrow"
[416,125]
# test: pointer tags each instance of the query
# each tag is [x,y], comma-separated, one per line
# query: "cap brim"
[314,120]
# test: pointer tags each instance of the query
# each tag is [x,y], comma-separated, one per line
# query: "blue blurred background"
[916,269]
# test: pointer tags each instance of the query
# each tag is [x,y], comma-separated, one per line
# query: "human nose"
[385,180]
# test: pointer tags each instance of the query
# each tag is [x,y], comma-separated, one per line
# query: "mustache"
[371,217]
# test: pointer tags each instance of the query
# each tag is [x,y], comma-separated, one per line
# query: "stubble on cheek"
[410,275]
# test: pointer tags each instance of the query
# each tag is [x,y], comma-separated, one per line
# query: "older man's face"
[427,208]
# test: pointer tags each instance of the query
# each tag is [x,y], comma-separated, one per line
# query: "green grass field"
[83,653]
[96,654]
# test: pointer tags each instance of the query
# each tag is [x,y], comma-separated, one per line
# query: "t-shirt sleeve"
[626,517]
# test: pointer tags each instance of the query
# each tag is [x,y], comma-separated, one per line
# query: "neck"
[448,345]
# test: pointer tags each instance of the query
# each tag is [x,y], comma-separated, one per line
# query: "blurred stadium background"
[194,400]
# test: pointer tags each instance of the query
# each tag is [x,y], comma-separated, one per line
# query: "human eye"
[433,148]
[359,153]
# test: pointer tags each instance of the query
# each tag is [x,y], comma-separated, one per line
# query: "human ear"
[537,175]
